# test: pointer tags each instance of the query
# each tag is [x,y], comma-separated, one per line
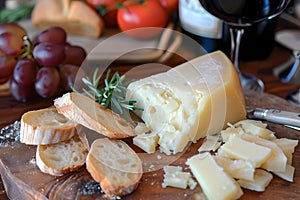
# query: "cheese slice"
[237,148]
[190,101]
[214,181]
[256,128]
[277,161]
[288,174]
[239,169]
[261,180]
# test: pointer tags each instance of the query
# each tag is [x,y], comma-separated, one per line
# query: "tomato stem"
[103,10]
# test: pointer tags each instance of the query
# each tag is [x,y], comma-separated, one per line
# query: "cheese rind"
[190,101]
[214,181]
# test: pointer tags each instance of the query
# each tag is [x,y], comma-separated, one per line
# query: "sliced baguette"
[75,17]
[45,126]
[92,115]
[115,166]
[64,157]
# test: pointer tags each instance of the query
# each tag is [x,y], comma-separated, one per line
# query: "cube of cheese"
[261,180]
[175,177]
[238,148]
[146,141]
[190,101]
[214,181]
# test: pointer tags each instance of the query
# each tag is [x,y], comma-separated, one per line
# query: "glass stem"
[235,36]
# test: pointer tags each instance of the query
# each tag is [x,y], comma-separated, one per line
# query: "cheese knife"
[289,119]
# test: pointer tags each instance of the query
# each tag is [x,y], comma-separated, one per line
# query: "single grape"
[7,65]
[68,74]
[47,81]
[22,93]
[25,72]
[75,55]
[14,28]
[54,34]
[11,44]
[49,54]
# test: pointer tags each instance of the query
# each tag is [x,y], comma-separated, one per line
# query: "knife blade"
[287,118]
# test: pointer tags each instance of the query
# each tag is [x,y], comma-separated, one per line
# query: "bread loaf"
[64,157]
[45,126]
[115,166]
[75,17]
[92,115]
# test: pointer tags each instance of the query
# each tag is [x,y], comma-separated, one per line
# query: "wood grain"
[150,187]
[20,174]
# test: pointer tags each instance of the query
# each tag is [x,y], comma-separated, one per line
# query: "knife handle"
[279,116]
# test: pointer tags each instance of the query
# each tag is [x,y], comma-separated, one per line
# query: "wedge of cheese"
[190,101]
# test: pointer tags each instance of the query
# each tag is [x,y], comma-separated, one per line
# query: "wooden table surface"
[11,110]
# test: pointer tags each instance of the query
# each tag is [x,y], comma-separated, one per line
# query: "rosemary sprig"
[16,14]
[112,95]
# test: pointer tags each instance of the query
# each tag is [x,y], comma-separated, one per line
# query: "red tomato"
[110,18]
[147,14]
[171,6]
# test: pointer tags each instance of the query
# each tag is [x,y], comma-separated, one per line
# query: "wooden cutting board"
[23,180]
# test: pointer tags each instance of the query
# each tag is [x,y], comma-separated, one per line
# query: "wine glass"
[239,14]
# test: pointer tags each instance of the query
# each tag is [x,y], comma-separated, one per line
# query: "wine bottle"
[213,34]
[203,27]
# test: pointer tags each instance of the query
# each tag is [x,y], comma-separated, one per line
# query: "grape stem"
[27,50]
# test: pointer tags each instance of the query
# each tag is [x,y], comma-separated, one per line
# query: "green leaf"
[12,15]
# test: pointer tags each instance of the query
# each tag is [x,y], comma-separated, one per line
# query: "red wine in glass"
[239,14]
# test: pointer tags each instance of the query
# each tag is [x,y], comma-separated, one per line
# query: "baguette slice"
[115,166]
[92,115]
[75,17]
[45,126]
[64,157]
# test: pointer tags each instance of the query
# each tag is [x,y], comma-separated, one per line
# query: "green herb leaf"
[16,14]
[111,94]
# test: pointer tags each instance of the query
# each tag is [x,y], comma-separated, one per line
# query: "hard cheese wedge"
[214,181]
[190,101]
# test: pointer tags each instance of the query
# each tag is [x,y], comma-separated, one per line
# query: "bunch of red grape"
[45,66]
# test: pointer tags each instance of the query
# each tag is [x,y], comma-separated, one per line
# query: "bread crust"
[92,115]
[35,129]
[75,17]
[99,174]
